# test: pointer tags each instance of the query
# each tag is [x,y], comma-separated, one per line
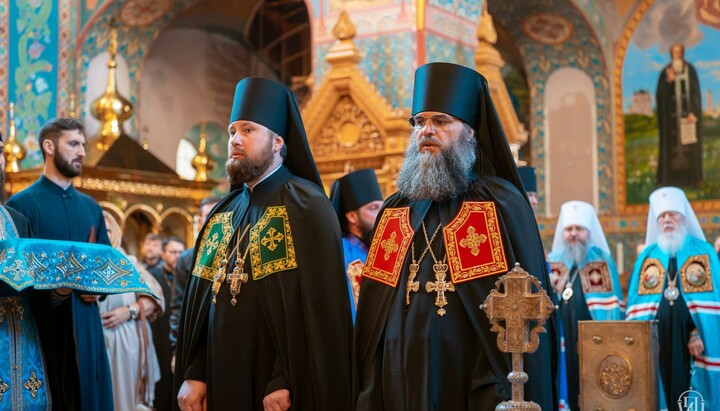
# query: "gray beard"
[672,242]
[576,253]
[440,176]
[678,65]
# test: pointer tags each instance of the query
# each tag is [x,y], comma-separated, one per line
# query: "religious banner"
[49,264]
[389,246]
[474,243]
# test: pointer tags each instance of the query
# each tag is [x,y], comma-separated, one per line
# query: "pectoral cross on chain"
[218,279]
[440,287]
[412,285]
[236,279]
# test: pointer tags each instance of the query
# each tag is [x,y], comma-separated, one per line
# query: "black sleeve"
[180,276]
[278,379]
[197,367]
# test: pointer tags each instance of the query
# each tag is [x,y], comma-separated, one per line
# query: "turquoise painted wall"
[33,34]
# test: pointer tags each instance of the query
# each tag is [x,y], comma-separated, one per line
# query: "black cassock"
[409,358]
[672,171]
[674,327]
[290,329]
[571,312]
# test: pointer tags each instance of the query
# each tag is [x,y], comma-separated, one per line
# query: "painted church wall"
[571,139]
[174,96]
[34,48]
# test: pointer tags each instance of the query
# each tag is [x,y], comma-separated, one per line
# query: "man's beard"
[436,177]
[678,65]
[577,253]
[672,242]
[65,167]
[243,170]
[367,232]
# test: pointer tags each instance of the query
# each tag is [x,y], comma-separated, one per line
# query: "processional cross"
[517,307]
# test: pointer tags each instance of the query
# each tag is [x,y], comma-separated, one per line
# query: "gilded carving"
[615,376]
[349,131]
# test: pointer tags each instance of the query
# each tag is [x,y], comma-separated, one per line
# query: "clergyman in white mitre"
[586,281]
[675,281]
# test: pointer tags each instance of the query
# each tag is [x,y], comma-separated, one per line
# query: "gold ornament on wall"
[14,152]
[202,162]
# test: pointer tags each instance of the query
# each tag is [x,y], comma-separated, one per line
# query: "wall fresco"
[645,58]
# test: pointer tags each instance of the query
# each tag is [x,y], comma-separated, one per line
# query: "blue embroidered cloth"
[49,264]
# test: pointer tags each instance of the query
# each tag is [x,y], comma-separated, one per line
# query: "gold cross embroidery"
[236,279]
[33,384]
[412,285]
[211,244]
[439,286]
[473,241]
[3,388]
[272,239]
[389,245]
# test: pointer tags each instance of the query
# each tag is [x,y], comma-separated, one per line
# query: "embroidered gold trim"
[594,272]
[459,242]
[696,274]
[559,275]
[652,277]
[271,240]
[212,241]
[387,270]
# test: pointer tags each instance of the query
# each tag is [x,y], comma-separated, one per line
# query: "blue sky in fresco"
[642,67]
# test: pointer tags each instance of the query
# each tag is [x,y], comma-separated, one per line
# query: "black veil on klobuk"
[274,106]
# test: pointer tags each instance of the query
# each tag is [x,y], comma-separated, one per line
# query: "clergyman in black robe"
[266,318]
[678,164]
[71,333]
[459,192]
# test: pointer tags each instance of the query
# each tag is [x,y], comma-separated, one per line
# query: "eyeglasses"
[438,121]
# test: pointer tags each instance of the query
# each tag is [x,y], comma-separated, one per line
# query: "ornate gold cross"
[218,279]
[440,287]
[412,285]
[33,384]
[272,239]
[517,307]
[473,241]
[389,245]
[236,279]
[3,388]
